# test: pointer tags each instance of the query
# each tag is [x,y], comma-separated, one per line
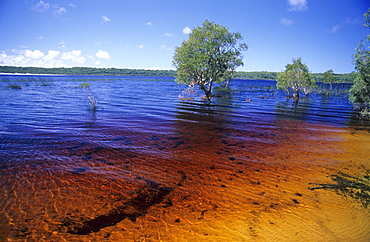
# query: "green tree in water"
[360,90]
[296,77]
[329,78]
[211,54]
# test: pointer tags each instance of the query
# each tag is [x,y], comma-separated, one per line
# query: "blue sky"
[143,34]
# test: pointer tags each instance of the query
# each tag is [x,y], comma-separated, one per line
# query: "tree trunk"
[209,95]
[207,91]
[287,93]
[296,95]
[226,83]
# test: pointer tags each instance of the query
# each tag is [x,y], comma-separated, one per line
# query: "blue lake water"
[54,99]
[154,151]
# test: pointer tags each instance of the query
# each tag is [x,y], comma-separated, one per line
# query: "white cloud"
[149,23]
[3,55]
[52,54]
[167,34]
[186,30]
[105,19]
[286,22]
[74,56]
[102,54]
[53,58]
[60,11]
[32,58]
[140,47]
[298,5]
[36,54]
[41,6]
[335,29]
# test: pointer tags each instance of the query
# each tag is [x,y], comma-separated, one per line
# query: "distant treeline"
[341,78]
[86,71]
[262,75]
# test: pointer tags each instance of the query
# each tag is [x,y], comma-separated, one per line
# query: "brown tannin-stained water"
[147,166]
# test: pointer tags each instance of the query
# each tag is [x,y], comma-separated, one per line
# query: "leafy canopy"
[296,77]
[329,78]
[211,54]
[360,91]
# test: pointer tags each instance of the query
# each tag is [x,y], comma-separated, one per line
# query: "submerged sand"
[197,186]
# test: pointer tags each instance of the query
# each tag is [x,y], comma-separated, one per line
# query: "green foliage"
[283,82]
[211,54]
[340,78]
[256,75]
[367,19]
[365,113]
[85,85]
[329,78]
[296,77]
[265,75]
[360,90]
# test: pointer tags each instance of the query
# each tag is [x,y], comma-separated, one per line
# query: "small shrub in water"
[85,85]
[365,113]
[91,97]
[14,86]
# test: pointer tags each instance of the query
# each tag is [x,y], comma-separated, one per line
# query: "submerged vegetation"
[92,100]
[350,186]
[14,86]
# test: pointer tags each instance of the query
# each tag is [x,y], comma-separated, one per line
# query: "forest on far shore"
[260,75]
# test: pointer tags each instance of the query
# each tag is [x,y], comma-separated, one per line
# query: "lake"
[155,162]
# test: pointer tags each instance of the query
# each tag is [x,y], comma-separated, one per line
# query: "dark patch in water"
[146,197]
[183,176]
[173,138]
[347,185]
[180,142]
[77,147]
[79,170]
[106,162]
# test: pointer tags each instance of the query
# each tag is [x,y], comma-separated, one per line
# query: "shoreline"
[30,74]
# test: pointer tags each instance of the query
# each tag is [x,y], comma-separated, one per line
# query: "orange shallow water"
[200,185]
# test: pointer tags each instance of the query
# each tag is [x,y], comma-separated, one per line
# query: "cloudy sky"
[145,33]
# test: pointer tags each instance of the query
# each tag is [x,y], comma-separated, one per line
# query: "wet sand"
[196,185]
